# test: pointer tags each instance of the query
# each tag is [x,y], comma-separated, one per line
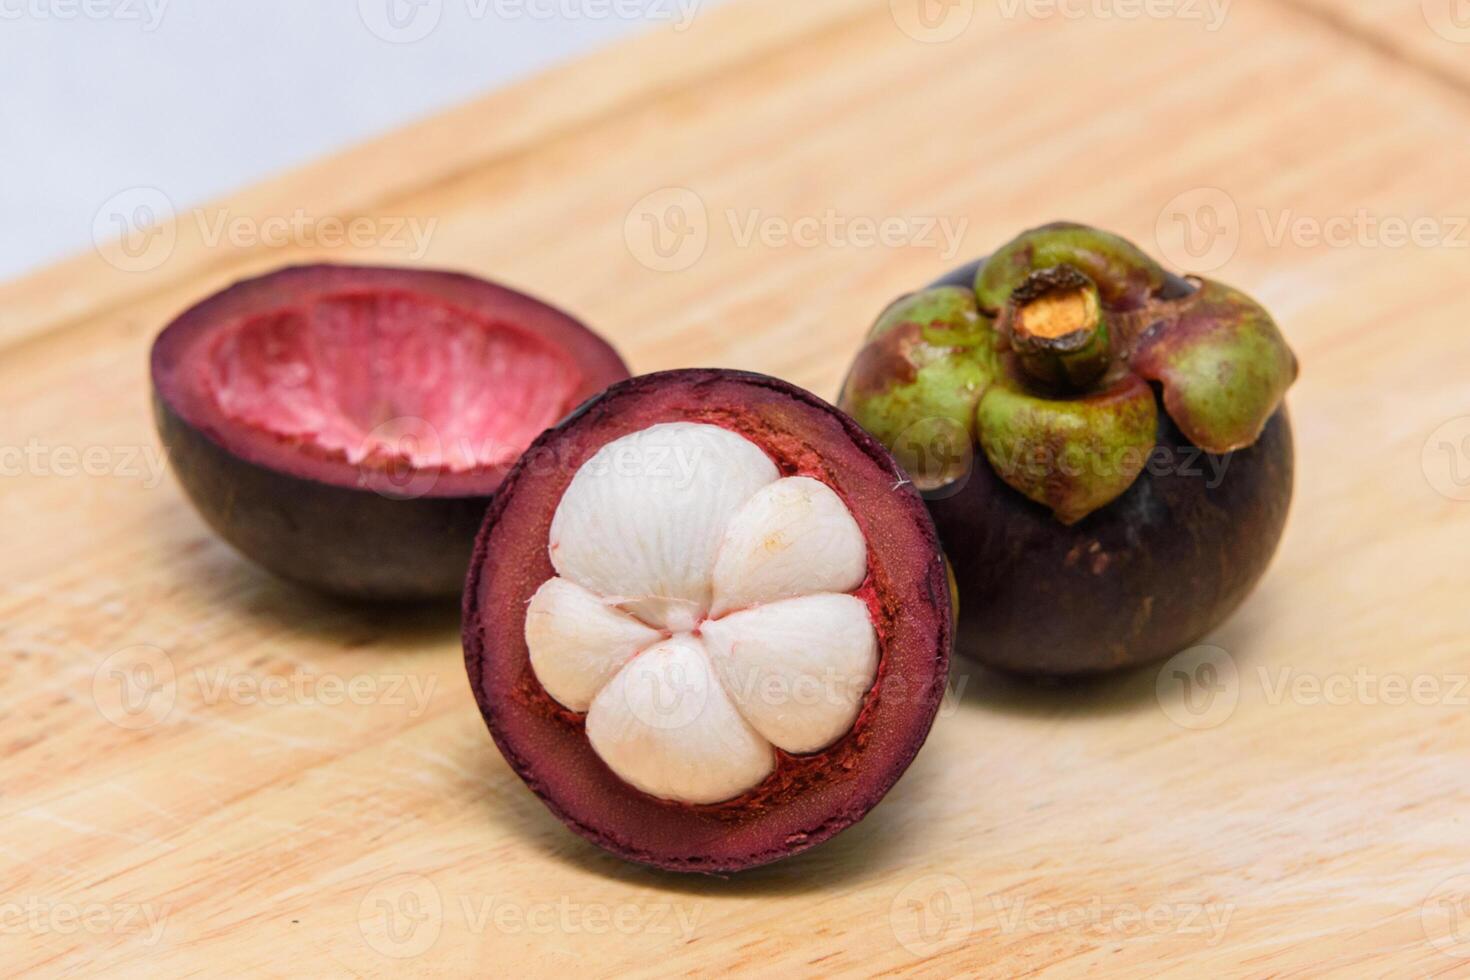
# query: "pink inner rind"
[318,372]
[808,798]
[391,376]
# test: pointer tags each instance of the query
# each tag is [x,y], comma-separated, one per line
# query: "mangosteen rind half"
[345,427]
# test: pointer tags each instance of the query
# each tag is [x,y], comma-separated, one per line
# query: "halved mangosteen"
[347,426]
[707,620]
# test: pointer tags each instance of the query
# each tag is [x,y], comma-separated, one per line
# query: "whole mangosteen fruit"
[1104,446]
[346,426]
[707,620]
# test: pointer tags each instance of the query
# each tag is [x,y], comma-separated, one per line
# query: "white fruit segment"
[700,618]
[666,725]
[644,517]
[794,537]
[798,669]
[578,641]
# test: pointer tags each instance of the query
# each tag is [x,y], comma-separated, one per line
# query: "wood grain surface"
[206,772]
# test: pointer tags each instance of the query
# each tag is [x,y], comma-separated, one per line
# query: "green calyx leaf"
[1223,364]
[916,383]
[945,316]
[1072,455]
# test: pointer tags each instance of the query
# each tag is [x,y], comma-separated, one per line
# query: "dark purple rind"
[323,523]
[1134,582]
[809,799]
[352,543]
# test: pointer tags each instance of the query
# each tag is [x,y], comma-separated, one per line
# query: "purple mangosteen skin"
[352,543]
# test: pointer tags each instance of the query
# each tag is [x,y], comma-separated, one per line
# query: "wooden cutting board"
[311,788]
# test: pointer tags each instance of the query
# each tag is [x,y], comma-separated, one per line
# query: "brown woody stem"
[1056,325]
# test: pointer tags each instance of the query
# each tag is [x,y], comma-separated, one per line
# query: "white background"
[198,97]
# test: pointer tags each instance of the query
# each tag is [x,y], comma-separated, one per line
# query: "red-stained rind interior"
[186,358]
[809,798]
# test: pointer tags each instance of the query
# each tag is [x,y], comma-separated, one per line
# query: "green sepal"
[1223,364]
[916,383]
[1071,455]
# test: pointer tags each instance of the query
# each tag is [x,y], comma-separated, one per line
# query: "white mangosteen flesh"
[702,615]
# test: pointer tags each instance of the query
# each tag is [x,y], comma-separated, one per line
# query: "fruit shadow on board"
[215,576]
[876,847]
